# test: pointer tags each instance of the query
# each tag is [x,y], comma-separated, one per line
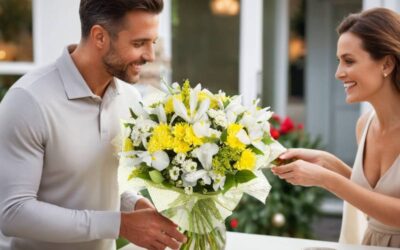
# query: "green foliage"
[3,91]
[298,206]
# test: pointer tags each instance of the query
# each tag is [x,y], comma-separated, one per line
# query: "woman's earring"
[384,75]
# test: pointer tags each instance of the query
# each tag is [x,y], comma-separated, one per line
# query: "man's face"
[133,46]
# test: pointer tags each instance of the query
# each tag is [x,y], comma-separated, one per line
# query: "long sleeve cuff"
[128,201]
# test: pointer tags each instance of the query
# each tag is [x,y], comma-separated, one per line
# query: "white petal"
[194,176]
[160,160]
[160,112]
[201,129]
[260,146]
[180,110]
[243,137]
[193,101]
[205,153]
[205,104]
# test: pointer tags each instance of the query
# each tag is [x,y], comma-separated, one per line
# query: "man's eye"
[138,44]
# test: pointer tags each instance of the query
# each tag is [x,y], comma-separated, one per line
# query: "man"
[58,169]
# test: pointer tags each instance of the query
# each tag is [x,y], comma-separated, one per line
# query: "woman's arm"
[381,207]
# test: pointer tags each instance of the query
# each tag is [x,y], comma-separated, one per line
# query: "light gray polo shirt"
[58,168]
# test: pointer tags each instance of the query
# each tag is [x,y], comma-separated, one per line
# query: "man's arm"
[23,136]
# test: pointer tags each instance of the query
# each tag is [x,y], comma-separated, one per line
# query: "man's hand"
[144,203]
[147,228]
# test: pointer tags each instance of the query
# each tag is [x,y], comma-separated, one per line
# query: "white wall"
[56,24]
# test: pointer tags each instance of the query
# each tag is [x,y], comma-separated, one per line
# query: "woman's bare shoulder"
[362,121]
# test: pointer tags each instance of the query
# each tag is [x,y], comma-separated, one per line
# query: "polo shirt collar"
[74,84]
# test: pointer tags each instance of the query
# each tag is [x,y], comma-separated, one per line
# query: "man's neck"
[91,68]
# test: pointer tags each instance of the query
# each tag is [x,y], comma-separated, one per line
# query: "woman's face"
[362,77]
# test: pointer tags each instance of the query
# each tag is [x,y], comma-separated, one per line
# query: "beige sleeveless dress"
[377,233]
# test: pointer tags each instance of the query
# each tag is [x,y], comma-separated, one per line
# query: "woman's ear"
[388,65]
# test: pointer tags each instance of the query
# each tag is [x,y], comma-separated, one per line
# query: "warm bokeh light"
[3,55]
[225,7]
[296,49]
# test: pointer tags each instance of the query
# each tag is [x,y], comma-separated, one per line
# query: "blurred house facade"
[240,46]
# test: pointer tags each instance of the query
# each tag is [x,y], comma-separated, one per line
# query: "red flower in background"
[234,223]
[277,118]
[275,133]
[286,126]
[281,127]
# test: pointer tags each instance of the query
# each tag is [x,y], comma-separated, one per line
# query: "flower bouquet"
[197,153]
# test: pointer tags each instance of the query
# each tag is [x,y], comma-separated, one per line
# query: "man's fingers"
[166,240]
[156,245]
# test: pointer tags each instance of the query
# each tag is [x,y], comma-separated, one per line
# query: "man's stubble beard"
[115,67]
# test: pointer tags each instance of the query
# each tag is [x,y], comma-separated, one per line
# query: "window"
[16,31]
[205,41]
[5,83]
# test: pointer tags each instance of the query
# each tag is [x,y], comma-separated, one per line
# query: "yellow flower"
[169,105]
[247,160]
[181,147]
[204,95]
[232,141]
[161,139]
[184,138]
[128,145]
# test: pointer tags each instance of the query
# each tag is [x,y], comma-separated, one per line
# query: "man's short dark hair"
[110,13]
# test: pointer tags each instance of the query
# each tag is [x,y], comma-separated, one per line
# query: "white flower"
[174,173]
[158,160]
[189,166]
[126,131]
[179,159]
[189,190]
[219,181]
[197,111]
[221,120]
[136,136]
[205,154]
[202,129]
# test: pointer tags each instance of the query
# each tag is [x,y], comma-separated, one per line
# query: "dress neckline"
[363,140]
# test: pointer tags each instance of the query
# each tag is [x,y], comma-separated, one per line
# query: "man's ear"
[99,36]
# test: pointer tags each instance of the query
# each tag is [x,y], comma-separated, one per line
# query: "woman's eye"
[349,61]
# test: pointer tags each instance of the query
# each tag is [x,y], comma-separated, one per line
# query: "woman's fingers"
[291,153]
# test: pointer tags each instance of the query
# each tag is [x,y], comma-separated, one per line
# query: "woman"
[368,52]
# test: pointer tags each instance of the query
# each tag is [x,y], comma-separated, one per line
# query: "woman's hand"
[302,173]
[318,157]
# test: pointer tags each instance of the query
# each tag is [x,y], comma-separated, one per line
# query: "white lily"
[202,129]
[233,109]
[160,112]
[197,111]
[158,160]
[205,154]
[255,130]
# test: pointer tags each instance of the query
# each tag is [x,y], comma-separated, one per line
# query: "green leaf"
[156,176]
[256,150]
[244,176]
[267,139]
[154,118]
[121,242]
[134,116]
[224,135]
[230,182]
